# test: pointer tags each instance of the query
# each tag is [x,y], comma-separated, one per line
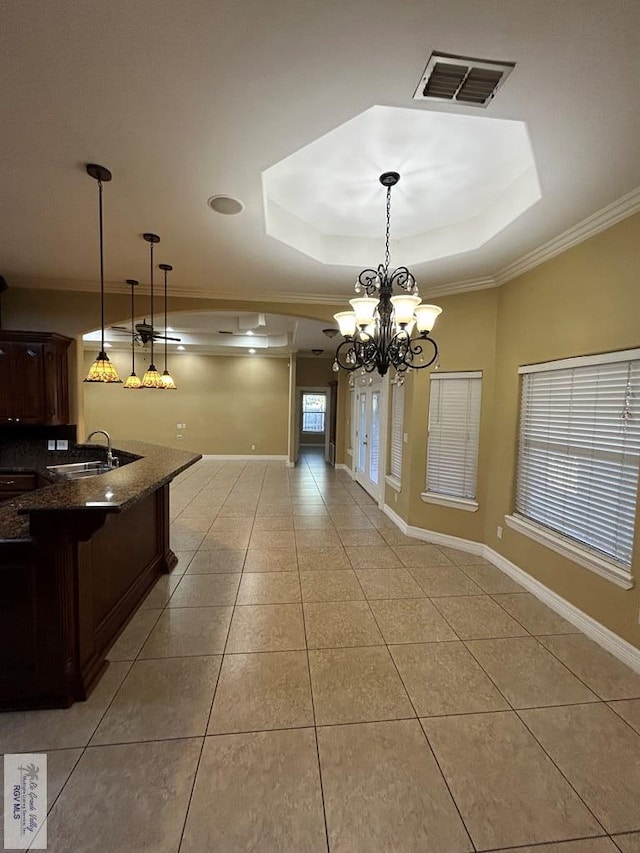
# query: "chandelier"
[378,332]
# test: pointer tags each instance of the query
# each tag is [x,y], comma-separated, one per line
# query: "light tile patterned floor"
[310,679]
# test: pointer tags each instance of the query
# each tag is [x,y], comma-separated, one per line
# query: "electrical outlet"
[178,438]
[51,444]
[62,444]
[499,532]
[253,447]
[405,437]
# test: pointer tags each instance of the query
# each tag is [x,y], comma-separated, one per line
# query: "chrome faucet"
[112,461]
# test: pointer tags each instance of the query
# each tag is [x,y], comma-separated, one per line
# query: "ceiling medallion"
[377,333]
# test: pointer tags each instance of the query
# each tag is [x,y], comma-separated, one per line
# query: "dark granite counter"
[77,557]
[148,467]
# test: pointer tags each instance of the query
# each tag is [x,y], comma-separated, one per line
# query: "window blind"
[454,433]
[397,428]
[579,451]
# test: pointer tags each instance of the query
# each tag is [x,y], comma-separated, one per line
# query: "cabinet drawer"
[17,482]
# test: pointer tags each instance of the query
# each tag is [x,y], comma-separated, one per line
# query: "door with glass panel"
[368,471]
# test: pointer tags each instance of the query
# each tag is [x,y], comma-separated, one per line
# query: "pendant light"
[102,370]
[151,378]
[133,381]
[167,378]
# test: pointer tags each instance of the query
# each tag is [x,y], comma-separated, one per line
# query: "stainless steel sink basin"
[80,470]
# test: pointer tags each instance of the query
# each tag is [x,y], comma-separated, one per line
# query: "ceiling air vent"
[473,82]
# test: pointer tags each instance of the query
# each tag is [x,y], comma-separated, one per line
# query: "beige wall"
[466,335]
[227,403]
[314,372]
[343,457]
[584,301]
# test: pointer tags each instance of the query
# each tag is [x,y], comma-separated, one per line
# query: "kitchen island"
[77,557]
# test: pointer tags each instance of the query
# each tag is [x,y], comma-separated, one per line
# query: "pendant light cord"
[152,328]
[133,334]
[101,266]
[165,321]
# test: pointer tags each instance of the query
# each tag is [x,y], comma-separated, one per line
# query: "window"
[397,427]
[454,433]
[578,455]
[313,412]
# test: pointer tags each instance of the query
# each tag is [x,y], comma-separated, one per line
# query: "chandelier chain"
[387,254]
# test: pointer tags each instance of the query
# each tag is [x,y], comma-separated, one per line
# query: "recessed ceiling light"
[249,332]
[169,329]
[252,351]
[180,347]
[107,346]
[225,204]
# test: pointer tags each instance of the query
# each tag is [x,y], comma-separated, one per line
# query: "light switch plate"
[62,444]
[51,444]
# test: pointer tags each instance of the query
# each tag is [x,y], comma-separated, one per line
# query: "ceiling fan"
[144,333]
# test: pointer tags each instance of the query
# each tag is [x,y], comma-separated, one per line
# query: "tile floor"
[310,679]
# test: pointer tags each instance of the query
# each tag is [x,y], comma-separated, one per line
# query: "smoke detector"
[472,82]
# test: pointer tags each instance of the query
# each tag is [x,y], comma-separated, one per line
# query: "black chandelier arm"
[369,281]
[355,353]
[403,349]
[401,277]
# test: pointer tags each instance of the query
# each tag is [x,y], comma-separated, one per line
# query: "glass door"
[368,424]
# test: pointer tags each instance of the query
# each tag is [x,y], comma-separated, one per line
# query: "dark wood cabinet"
[13,485]
[33,378]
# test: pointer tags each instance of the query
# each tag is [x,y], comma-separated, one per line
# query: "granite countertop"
[115,491]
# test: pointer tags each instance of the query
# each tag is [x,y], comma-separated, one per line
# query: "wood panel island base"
[76,560]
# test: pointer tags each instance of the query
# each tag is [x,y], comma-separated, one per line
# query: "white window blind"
[579,450]
[397,428]
[454,432]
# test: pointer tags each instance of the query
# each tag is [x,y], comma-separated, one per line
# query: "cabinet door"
[7,379]
[22,367]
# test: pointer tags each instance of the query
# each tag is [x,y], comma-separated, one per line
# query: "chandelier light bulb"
[403,307]
[426,316]
[364,308]
[346,320]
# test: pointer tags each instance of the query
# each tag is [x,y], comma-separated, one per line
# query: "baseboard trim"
[431,536]
[340,466]
[237,457]
[603,636]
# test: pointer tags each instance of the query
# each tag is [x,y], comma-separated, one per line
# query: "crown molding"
[583,230]
[464,286]
[599,221]
[120,288]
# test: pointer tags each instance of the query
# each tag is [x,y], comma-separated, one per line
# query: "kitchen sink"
[80,470]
